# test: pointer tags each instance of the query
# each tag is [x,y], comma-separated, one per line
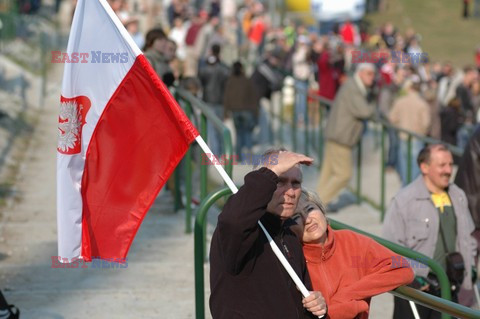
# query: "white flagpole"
[274,246]
[414,309]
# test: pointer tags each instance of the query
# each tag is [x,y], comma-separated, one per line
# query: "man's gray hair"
[365,66]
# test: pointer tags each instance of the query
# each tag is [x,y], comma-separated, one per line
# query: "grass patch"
[445,34]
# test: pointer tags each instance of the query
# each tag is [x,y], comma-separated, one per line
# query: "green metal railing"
[446,307]
[443,304]
[193,106]
[381,125]
[190,103]
[200,248]
[401,250]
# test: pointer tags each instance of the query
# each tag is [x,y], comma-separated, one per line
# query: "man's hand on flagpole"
[285,160]
[315,303]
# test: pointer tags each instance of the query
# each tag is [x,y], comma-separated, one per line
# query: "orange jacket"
[351,268]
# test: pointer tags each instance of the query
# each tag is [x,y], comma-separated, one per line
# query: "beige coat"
[410,112]
[350,108]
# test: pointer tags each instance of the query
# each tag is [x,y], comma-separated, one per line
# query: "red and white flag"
[120,136]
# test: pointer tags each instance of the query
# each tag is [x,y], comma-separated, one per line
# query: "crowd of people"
[202,45]
[230,55]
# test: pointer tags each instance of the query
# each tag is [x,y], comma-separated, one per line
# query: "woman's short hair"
[313,197]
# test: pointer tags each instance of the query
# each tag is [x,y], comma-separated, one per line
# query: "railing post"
[43,65]
[305,124]
[359,173]
[203,164]
[382,173]
[409,159]
[294,123]
[271,120]
[313,127]
[199,251]
[177,198]
[320,136]
[227,142]
[188,177]
[176,175]
[282,120]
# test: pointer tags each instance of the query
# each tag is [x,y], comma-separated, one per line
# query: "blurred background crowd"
[233,54]
[196,43]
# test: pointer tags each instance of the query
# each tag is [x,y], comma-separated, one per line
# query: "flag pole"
[274,246]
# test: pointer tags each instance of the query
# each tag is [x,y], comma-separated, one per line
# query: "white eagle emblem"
[70,122]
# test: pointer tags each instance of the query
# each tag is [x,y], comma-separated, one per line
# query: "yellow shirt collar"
[441,200]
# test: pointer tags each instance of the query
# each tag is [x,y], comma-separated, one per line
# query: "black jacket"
[213,77]
[246,279]
[468,176]
[266,79]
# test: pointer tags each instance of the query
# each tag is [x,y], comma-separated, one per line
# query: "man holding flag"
[114,112]
[246,279]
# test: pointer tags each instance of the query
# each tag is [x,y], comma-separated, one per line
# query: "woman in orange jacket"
[348,268]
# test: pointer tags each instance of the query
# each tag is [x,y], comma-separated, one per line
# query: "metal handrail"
[453,148]
[384,124]
[199,248]
[436,303]
[440,304]
[443,281]
[206,115]
[404,251]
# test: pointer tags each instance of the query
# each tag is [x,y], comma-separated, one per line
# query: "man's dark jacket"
[246,279]
[468,176]
[214,76]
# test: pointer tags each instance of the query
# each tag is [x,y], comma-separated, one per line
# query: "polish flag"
[120,136]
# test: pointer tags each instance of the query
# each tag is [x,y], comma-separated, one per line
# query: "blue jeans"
[264,121]
[403,160]
[215,137]
[244,123]
[463,135]
[301,93]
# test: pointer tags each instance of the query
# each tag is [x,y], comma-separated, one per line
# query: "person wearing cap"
[412,113]
[352,105]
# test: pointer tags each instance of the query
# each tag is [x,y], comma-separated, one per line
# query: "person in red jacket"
[348,268]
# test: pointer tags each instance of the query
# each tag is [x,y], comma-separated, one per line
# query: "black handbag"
[455,265]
